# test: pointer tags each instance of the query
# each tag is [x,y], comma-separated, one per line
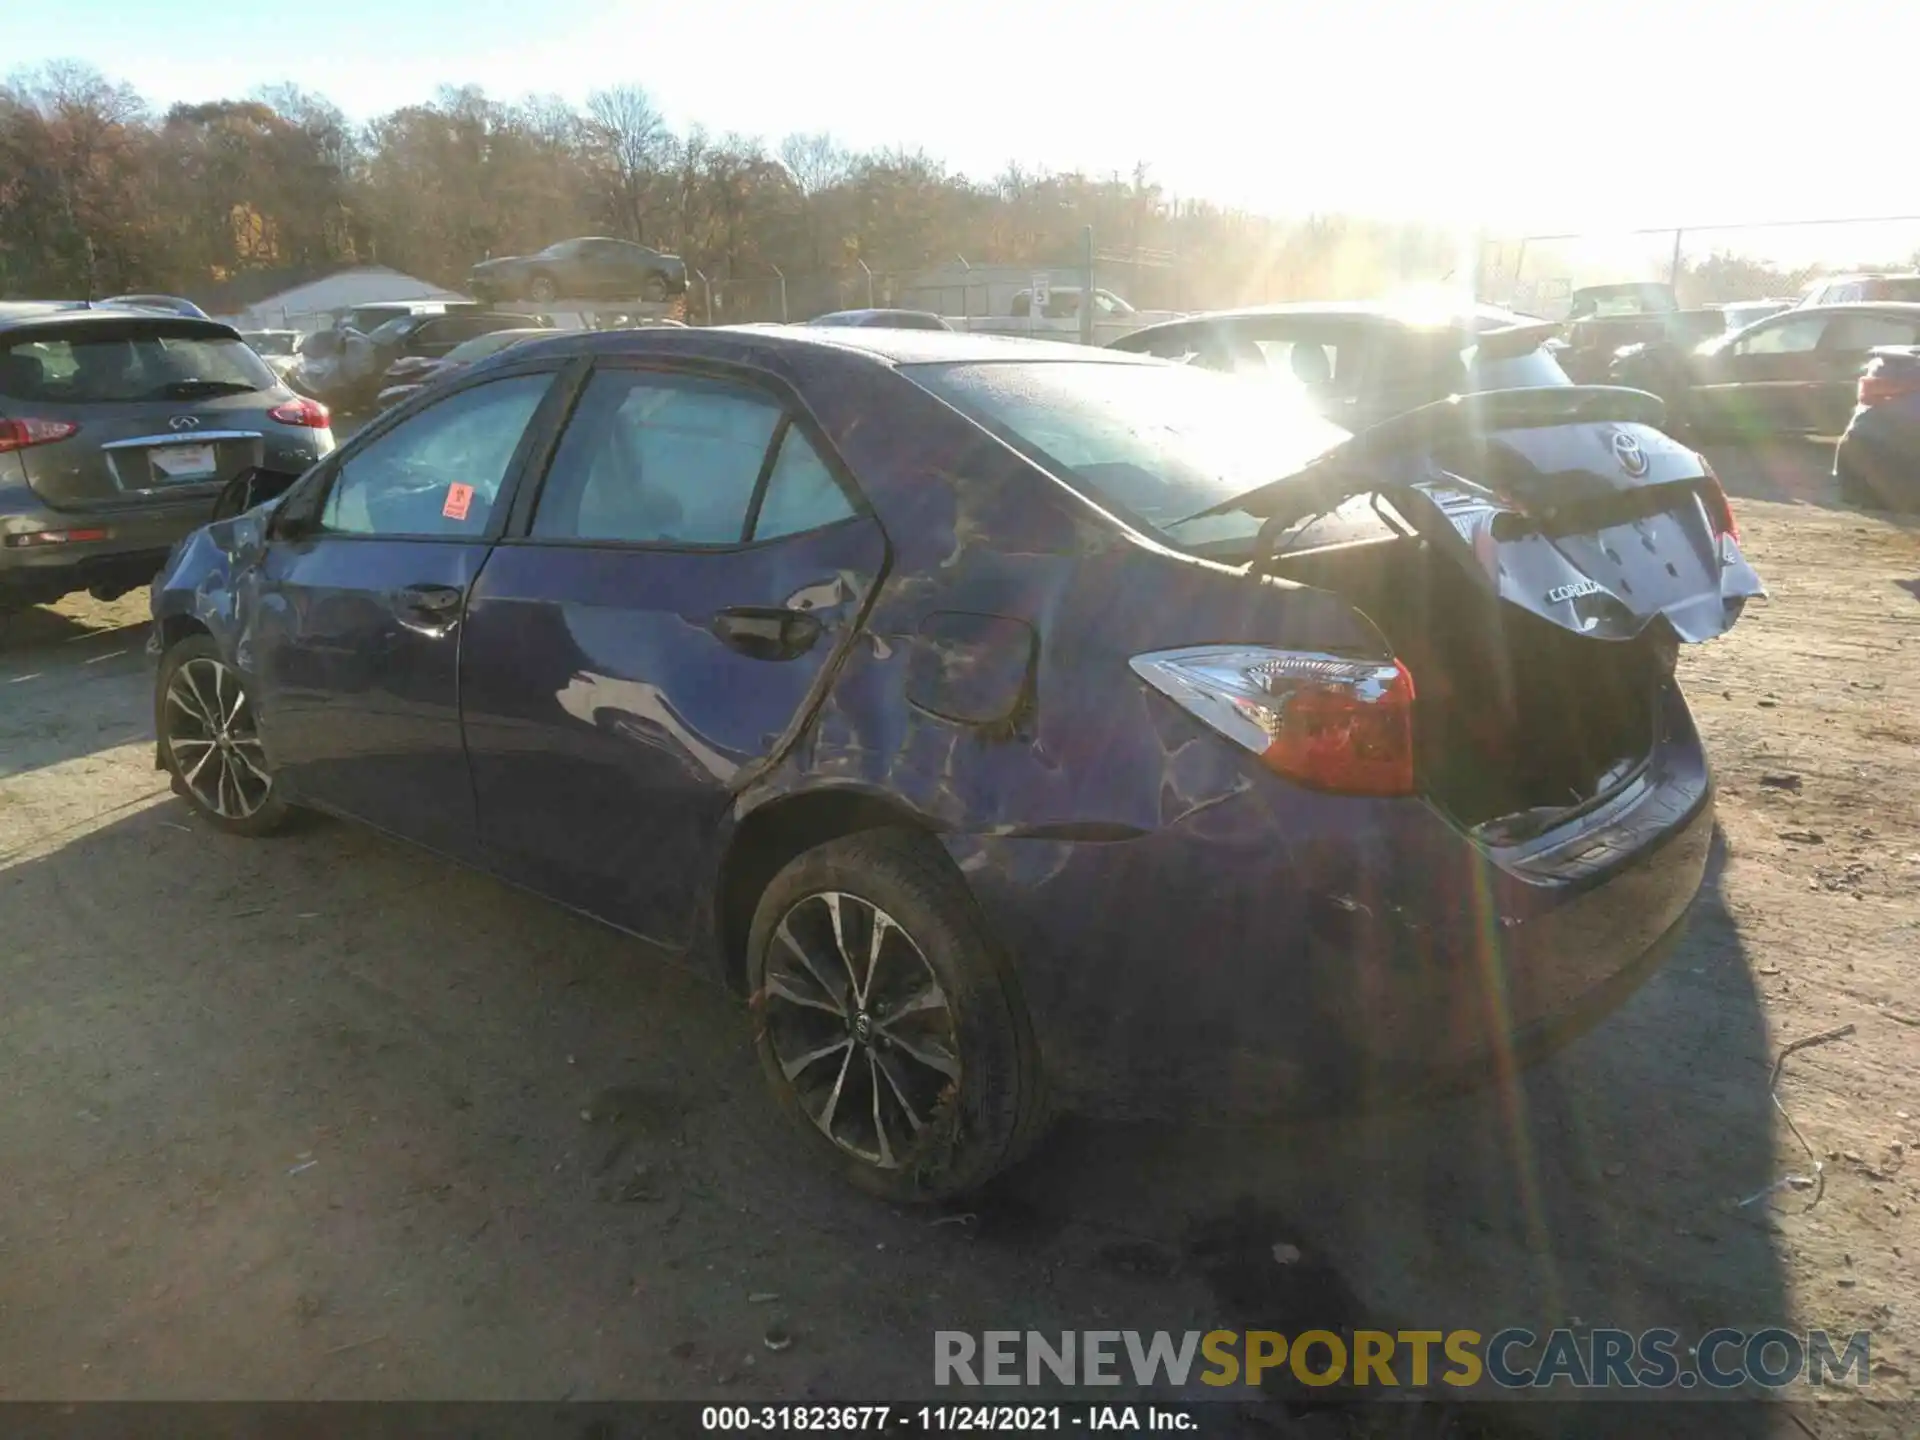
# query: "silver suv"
[118,430]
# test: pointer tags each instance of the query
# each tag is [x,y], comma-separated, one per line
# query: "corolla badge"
[1562,593]
[1627,451]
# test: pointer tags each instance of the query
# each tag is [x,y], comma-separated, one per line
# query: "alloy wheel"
[213,742]
[860,1028]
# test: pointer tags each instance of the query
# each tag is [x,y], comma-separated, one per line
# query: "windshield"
[128,364]
[482,346]
[393,331]
[271,343]
[1154,443]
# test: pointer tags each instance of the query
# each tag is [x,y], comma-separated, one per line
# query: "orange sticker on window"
[459,497]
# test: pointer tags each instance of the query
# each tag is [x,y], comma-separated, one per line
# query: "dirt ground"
[323,1117]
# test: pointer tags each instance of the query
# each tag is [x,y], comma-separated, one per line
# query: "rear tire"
[654,290]
[888,1022]
[204,715]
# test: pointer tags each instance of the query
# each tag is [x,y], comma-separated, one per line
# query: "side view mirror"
[252,486]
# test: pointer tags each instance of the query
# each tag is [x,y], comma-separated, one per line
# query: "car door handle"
[438,602]
[767,632]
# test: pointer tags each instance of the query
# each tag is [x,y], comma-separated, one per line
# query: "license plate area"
[183,464]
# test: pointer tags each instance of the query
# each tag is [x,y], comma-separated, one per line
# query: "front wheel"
[887,1021]
[209,735]
[543,290]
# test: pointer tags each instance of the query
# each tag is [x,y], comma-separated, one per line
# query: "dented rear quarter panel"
[991,691]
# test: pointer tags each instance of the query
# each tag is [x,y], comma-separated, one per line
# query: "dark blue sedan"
[1013,726]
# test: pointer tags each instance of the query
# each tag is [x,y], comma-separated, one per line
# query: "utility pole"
[1086,285]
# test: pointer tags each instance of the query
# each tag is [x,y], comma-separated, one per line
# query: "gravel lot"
[323,1117]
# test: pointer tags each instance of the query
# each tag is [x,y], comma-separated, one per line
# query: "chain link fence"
[1707,265]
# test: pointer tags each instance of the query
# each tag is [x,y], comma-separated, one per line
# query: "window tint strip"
[767,462]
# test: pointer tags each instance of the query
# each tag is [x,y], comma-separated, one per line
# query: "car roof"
[1387,312]
[893,347]
[1905,309]
[45,317]
[1622,287]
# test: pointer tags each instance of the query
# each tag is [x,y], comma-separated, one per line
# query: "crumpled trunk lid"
[1568,502]
[1538,560]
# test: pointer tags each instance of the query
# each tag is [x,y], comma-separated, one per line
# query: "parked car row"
[349,368]
[1799,370]
[118,427]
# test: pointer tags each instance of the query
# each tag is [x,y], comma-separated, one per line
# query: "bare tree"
[631,140]
[816,164]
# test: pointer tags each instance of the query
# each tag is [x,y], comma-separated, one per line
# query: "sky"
[1526,116]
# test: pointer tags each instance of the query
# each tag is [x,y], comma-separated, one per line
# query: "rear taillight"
[19,434]
[1876,389]
[1719,511]
[1323,721]
[302,411]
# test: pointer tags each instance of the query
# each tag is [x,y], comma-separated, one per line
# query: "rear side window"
[132,364]
[1863,332]
[440,471]
[658,459]
[802,493]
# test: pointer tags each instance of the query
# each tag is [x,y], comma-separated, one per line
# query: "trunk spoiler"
[1443,424]
[1566,501]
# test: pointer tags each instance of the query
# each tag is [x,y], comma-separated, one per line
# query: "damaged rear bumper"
[1281,950]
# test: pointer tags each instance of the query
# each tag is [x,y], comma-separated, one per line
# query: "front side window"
[440,471]
[1862,332]
[658,459]
[1789,337]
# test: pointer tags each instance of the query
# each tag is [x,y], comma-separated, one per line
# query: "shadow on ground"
[73,681]
[1601,1189]
[325,1117]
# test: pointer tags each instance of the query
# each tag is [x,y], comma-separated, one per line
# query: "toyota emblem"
[184,422]
[1627,451]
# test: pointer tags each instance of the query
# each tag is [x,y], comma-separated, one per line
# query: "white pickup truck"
[1058,317]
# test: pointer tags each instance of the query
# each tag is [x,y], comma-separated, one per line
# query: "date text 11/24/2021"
[944,1419]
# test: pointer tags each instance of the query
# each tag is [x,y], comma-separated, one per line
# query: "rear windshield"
[1154,443]
[127,364]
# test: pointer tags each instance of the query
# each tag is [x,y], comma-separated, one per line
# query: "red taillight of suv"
[19,434]
[1323,721]
[1877,388]
[302,411]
